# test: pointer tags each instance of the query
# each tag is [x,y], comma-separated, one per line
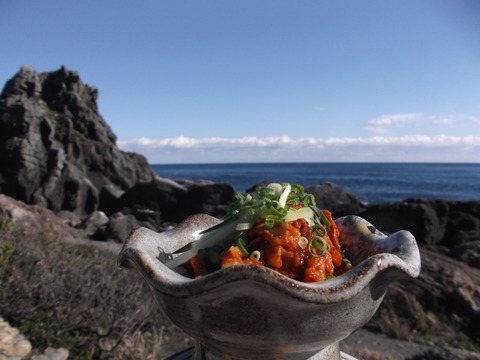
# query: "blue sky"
[247,81]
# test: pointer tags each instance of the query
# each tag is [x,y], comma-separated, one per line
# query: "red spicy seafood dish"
[281,228]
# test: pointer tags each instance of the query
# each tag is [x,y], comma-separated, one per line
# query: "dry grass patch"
[75,296]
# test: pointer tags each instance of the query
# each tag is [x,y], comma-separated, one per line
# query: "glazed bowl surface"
[254,312]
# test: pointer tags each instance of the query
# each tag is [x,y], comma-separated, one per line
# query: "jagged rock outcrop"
[56,150]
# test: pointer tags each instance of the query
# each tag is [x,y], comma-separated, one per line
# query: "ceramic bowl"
[253,312]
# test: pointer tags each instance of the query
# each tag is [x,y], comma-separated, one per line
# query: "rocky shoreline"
[388,336]
[58,154]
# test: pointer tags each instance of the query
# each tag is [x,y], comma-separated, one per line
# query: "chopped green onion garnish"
[277,189]
[319,244]
[241,246]
[283,198]
[322,218]
[319,230]
[255,255]
[303,242]
[272,206]
[302,213]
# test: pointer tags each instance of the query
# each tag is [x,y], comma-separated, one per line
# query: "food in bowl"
[281,228]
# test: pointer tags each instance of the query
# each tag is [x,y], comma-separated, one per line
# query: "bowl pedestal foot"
[331,352]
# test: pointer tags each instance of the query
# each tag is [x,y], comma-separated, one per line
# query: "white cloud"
[284,148]
[182,142]
[283,141]
[384,121]
[443,121]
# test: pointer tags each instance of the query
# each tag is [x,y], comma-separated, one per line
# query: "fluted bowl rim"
[148,251]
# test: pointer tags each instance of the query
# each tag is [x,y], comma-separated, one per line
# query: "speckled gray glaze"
[253,312]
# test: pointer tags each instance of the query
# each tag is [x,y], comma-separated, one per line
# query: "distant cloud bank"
[183,149]
[182,142]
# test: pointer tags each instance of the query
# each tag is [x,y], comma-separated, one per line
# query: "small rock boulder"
[95,225]
[120,226]
[166,201]
[337,200]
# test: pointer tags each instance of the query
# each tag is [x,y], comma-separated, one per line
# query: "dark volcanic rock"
[463,224]
[95,225]
[205,196]
[56,150]
[441,306]
[37,219]
[120,226]
[163,200]
[336,199]
[431,221]
[425,219]
[469,253]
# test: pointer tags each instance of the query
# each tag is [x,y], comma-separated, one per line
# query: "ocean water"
[370,182]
